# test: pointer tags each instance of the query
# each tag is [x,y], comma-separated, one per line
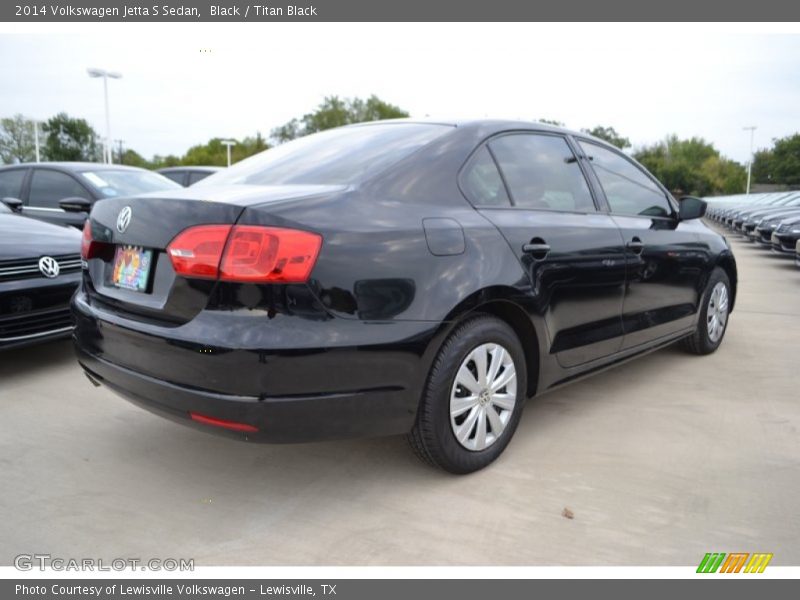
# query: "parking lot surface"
[659,461]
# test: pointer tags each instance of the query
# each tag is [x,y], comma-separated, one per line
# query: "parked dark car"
[767,226]
[40,267]
[395,277]
[63,192]
[785,236]
[187,176]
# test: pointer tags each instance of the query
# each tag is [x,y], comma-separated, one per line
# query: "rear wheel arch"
[728,264]
[496,301]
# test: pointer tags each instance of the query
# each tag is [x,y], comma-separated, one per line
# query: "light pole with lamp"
[229,143]
[751,129]
[105,75]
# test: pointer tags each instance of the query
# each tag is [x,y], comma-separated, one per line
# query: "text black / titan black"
[395,277]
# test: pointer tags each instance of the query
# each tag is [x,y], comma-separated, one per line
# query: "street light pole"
[105,75]
[751,129]
[229,143]
[36,138]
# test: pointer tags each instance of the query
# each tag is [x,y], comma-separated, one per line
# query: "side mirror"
[76,205]
[690,207]
[15,204]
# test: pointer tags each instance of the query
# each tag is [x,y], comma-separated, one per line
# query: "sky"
[186,83]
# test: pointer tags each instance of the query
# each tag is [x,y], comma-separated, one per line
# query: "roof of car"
[209,168]
[493,125]
[75,166]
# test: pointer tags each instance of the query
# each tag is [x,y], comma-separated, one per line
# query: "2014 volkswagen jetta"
[395,277]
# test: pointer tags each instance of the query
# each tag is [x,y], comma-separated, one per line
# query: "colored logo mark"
[734,562]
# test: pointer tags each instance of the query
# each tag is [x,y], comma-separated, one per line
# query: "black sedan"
[395,277]
[786,236]
[63,192]
[40,268]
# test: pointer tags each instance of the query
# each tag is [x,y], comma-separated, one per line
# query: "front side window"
[48,188]
[482,183]
[542,172]
[628,189]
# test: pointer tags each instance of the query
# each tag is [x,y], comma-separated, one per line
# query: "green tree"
[692,166]
[779,164]
[70,139]
[610,135]
[335,112]
[214,152]
[16,140]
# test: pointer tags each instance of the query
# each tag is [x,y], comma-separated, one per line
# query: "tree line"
[685,166]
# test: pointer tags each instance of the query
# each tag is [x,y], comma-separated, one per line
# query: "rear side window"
[11,183]
[542,172]
[196,176]
[176,176]
[628,189]
[48,188]
[482,183]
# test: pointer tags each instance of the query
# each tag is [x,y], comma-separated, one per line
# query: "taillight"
[245,253]
[89,247]
[196,251]
[269,255]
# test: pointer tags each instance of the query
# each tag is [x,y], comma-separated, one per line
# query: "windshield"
[122,182]
[337,156]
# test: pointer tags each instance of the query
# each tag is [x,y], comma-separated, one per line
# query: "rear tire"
[713,319]
[480,368]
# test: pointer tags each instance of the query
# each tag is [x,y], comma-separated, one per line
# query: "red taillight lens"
[214,422]
[196,251]
[245,253]
[89,247]
[269,255]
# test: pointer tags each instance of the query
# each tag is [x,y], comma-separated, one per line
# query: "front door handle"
[635,245]
[538,250]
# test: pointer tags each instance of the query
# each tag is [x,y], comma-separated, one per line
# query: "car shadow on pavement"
[30,361]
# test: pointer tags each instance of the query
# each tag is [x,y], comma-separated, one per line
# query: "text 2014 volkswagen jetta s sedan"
[395,277]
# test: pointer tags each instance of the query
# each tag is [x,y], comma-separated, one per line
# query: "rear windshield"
[121,182]
[337,156]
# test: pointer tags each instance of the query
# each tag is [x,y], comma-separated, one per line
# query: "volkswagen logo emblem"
[124,219]
[49,266]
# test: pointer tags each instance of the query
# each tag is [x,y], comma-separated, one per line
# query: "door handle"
[635,245]
[537,250]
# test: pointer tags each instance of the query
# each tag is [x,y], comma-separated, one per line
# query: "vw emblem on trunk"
[49,266]
[124,219]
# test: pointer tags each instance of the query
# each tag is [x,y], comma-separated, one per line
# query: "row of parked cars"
[43,207]
[771,220]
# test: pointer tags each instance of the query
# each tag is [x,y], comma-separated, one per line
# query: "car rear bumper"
[286,419]
[293,389]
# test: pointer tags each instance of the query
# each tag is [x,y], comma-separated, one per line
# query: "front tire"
[473,399]
[713,319]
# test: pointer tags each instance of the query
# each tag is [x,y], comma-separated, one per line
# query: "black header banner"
[191,11]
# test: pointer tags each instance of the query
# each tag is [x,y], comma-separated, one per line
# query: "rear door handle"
[635,245]
[538,251]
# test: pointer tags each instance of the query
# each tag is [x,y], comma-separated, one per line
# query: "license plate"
[774,239]
[132,268]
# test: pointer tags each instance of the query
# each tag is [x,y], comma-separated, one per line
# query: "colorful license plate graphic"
[132,268]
